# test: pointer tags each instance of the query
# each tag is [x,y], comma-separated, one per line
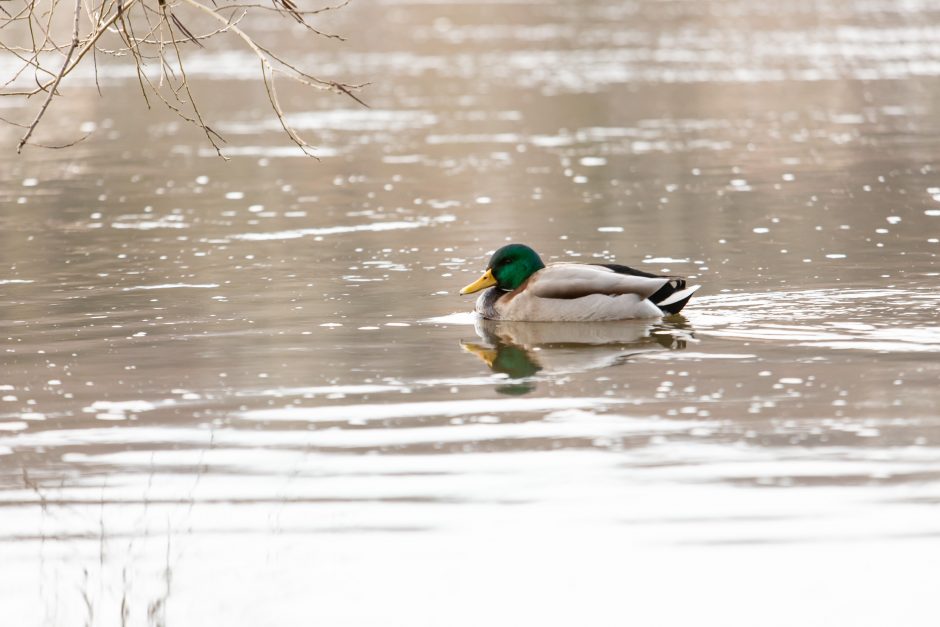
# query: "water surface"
[247,392]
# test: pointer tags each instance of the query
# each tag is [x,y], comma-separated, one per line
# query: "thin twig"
[58,79]
[61,146]
[192,101]
[127,34]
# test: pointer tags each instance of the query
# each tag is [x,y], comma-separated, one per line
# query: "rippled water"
[247,393]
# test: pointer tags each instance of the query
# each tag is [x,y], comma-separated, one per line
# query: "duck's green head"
[509,267]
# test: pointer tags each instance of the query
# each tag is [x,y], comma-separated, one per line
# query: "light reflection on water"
[255,380]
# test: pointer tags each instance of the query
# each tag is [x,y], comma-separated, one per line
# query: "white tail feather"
[675,297]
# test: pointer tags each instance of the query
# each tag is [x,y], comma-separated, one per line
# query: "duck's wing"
[575,280]
[671,297]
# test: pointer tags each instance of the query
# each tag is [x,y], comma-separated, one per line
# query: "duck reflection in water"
[523,349]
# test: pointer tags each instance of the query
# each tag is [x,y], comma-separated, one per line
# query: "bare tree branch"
[155,36]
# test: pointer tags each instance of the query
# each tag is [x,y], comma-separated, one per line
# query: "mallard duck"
[522,287]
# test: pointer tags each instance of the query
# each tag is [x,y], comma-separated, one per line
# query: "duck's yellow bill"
[487,280]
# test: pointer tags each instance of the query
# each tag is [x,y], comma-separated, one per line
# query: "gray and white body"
[574,292]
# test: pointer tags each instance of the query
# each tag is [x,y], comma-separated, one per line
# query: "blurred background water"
[247,392]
